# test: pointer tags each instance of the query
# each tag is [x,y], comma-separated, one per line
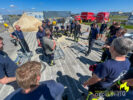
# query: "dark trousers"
[106,55]
[91,43]
[50,57]
[76,35]
[24,46]
[71,30]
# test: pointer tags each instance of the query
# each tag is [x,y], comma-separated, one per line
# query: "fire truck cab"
[77,18]
[102,16]
[87,16]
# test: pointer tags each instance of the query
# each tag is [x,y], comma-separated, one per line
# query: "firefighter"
[72,27]
[50,27]
[7,66]
[18,35]
[40,34]
[77,31]
[62,29]
[102,29]
[92,37]
[49,46]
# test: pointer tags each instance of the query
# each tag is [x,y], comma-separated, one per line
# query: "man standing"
[102,29]
[110,71]
[49,46]
[18,35]
[40,34]
[62,29]
[77,32]
[92,37]
[28,77]
[7,66]
[112,28]
[50,27]
[72,27]
[43,24]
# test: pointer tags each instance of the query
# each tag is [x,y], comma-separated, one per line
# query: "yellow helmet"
[54,22]
[6,25]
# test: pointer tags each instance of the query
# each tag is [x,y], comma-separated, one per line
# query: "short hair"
[1,38]
[44,21]
[47,31]
[122,45]
[122,31]
[117,24]
[95,24]
[26,75]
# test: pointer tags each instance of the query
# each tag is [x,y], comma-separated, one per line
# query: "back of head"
[122,45]
[1,38]
[47,32]
[121,32]
[113,23]
[95,25]
[117,24]
[43,22]
[26,75]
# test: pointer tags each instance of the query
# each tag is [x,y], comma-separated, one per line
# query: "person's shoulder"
[38,32]
[46,40]
[3,54]
[107,63]
[49,83]
[13,95]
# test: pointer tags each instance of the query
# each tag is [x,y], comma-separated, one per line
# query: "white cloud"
[12,6]
[33,8]
[3,8]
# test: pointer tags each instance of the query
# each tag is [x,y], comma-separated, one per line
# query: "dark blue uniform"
[7,66]
[109,71]
[56,28]
[47,90]
[102,28]
[22,42]
[72,27]
[92,38]
[40,35]
[41,93]
[62,27]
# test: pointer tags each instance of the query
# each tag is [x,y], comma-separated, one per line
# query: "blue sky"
[75,6]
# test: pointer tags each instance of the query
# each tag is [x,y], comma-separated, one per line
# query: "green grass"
[128,26]
[118,17]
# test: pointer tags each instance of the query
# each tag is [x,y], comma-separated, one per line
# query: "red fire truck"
[102,16]
[88,16]
[77,18]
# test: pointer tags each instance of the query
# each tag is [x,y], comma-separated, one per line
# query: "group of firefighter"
[72,29]
[113,65]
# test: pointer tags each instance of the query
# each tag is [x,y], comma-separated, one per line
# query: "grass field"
[118,17]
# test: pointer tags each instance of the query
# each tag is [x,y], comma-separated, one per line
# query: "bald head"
[40,28]
[17,27]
